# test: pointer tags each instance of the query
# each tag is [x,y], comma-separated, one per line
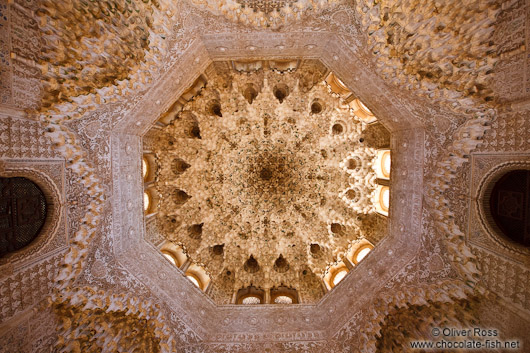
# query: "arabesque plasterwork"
[438,110]
[265,178]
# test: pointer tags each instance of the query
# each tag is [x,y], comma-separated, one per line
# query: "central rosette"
[275,176]
[270,174]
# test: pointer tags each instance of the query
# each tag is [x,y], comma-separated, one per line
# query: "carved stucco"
[49,176]
[430,143]
[265,178]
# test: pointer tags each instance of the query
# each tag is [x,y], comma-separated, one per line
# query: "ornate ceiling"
[268,14]
[268,177]
[92,84]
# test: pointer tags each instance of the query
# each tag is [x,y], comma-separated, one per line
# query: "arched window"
[147,201]
[339,83]
[339,276]
[365,108]
[359,250]
[362,112]
[336,273]
[283,299]
[198,276]
[381,199]
[170,257]
[382,164]
[195,280]
[145,168]
[384,198]
[337,86]
[361,253]
[251,299]
[174,253]
[385,164]
[23,212]
[250,295]
[284,295]
[150,201]
[149,167]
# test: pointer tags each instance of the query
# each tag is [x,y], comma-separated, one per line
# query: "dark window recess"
[22,213]
[510,205]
